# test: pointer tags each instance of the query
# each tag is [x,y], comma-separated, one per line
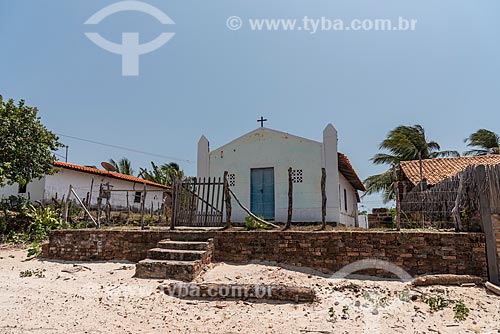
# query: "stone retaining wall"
[87,245]
[416,252]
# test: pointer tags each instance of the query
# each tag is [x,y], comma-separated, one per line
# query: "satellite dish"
[107,166]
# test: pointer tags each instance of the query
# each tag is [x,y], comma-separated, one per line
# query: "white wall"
[363,221]
[34,190]
[348,217]
[267,148]
[57,186]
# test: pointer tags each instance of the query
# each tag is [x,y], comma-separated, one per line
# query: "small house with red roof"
[125,191]
[257,164]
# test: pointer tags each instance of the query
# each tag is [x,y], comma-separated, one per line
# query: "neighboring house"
[438,169]
[258,163]
[86,182]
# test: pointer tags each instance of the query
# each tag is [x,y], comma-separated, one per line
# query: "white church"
[258,164]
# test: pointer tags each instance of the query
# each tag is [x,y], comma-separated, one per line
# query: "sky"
[211,80]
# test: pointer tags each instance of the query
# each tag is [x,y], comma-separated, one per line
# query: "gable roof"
[436,170]
[349,173]
[115,175]
[263,128]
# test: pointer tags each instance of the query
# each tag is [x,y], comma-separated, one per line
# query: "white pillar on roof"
[203,160]
[331,165]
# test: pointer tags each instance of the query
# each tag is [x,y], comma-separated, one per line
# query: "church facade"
[257,164]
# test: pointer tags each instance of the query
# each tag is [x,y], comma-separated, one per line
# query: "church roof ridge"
[260,128]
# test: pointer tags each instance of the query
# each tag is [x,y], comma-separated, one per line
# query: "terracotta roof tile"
[349,173]
[106,173]
[436,170]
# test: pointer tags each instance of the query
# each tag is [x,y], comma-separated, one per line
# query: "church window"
[232,180]
[297,176]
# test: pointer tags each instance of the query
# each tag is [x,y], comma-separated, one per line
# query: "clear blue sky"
[213,81]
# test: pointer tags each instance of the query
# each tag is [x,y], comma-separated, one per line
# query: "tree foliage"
[164,174]
[403,143]
[123,166]
[483,142]
[25,144]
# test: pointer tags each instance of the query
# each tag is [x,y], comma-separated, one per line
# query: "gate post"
[227,199]
[174,204]
[487,224]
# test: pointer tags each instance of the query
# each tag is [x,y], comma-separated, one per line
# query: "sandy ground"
[105,298]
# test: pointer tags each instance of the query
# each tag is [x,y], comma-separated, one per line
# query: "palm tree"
[402,144]
[164,174]
[485,141]
[123,166]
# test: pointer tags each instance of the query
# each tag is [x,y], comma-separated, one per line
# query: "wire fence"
[451,204]
[108,206]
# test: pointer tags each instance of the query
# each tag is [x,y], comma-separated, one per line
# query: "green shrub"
[436,303]
[461,311]
[253,224]
[29,273]
[18,204]
[44,220]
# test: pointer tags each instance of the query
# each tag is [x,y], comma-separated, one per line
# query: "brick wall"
[85,245]
[380,218]
[416,252]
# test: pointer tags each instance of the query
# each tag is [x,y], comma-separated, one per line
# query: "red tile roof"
[436,170]
[349,173]
[106,173]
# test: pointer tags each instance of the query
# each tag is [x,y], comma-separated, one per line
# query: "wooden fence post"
[398,200]
[143,204]
[487,224]
[290,199]
[323,198]
[99,204]
[108,204]
[151,211]
[173,221]
[66,208]
[227,198]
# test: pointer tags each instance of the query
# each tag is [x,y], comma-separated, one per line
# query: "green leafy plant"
[44,220]
[253,224]
[29,273]
[16,237]
[332,314]
[436,303]
[404,296]
[461,311]
[17,204]
[345,312]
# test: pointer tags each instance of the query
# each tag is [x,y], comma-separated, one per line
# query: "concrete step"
[191,235]
[183,245]
[175,254]
[165,269]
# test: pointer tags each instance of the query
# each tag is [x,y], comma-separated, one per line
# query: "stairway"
[181,257]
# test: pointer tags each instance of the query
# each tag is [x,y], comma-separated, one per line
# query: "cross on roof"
[261,121]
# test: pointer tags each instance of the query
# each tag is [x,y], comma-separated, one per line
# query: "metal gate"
[198,202]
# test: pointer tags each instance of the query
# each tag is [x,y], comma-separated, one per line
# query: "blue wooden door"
[262,192]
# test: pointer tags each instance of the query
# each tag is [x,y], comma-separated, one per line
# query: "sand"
[103,297]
